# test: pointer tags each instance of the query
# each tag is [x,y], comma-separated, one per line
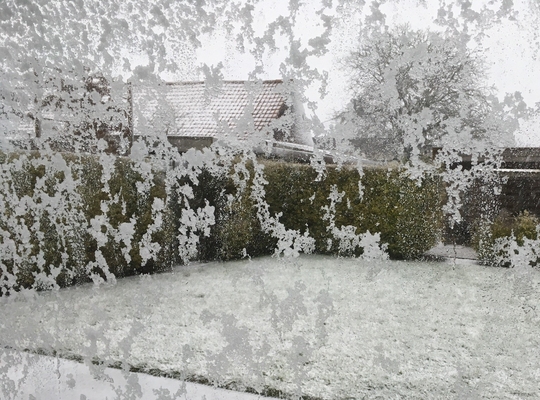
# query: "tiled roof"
[193,109]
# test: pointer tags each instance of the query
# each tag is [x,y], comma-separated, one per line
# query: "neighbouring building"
[265,114]
[520,189]
[196,114]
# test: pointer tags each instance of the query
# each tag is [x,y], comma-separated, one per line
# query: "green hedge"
[497,243]
[407,215]
[237,231]
[66,220]
[50,201]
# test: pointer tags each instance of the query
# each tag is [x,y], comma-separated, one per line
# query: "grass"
[319,327]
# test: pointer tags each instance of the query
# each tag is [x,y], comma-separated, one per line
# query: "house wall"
[521,192]
[183,144]
[302,133]
[288,154]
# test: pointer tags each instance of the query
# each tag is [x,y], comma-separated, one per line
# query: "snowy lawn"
[317,326]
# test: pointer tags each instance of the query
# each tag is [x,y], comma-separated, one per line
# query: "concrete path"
[451,251]
[29,376]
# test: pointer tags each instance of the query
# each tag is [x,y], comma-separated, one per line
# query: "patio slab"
[453,252]
[42,377]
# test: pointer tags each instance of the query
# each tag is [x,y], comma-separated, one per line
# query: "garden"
[171,209]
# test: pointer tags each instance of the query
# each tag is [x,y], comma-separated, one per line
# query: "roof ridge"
[224,81]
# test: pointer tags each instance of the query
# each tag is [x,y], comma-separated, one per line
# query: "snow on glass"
[78,79]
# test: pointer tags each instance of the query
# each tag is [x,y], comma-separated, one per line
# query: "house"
[519,190]
[196,114]
[513,159]
[265,114]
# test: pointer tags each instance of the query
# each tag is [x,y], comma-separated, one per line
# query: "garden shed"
[196,114]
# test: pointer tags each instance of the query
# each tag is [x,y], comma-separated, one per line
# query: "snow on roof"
[193,109]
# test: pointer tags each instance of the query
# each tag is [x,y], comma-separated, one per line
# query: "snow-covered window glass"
[225,199]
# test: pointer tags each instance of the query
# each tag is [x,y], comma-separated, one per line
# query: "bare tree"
[409,88]
[78,112]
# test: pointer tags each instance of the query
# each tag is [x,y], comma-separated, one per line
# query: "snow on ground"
[319,326]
